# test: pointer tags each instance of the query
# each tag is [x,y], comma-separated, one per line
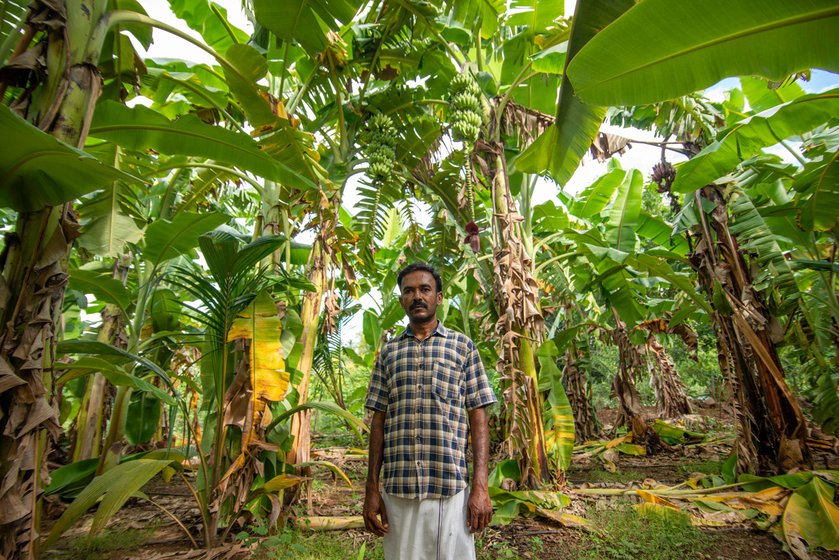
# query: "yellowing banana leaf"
[558,418]
[564,518]
[652,498]
[320,523]
[260,324]
[282,482]
[631,449]
[267,379]
[619,440]
[338,471]
[811,516]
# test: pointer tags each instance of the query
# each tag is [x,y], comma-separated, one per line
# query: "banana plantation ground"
[605,519]
[187,244]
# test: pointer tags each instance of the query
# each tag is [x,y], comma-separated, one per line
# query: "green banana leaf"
[114,373]
[210,20]
[166,239]
[625,213]
[748,137]
[140,128]
[762,97]
[105,287]
[114,487]
[304,20]
[661,49]
[560,148]
[38,170]
[143,418]
[594,198]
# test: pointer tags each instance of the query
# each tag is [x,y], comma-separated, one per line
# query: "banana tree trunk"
[92,416]
[301,422]
[520,326]
[34,274]
[771,430]
[669,389]
[579,396]
[630,363]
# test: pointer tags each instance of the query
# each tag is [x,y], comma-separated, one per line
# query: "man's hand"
[479,510]
[373,507]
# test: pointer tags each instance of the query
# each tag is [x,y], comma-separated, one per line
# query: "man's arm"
[479,512]
[373,503]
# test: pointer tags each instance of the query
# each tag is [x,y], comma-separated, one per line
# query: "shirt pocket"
[447,384]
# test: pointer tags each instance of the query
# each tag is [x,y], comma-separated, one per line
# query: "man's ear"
[439,298]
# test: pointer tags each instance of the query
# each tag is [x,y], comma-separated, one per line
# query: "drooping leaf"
[68,480]
[96,348]
[812,516]
[560,148]
[329,407]
[114,373]
[38,170]
[662,49]
[114,487]
[140,128]
[751,135]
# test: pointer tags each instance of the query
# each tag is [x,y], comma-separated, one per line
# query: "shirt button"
[419,388]
[419,463]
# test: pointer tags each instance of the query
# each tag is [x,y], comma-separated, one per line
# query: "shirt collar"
[439,330]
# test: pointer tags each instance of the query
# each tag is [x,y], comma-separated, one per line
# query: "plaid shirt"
[426,388]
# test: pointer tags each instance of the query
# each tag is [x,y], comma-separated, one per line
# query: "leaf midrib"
[779,24]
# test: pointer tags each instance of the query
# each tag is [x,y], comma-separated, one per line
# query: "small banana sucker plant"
[244,382]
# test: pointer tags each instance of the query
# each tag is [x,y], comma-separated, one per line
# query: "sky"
[640,156]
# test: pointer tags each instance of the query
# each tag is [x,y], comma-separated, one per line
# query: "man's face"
[420,297]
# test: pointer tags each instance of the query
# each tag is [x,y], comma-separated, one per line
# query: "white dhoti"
[431,529]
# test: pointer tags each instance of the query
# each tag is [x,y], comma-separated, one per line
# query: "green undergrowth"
[113,542]
[624,532]
[617,477]
[332,545]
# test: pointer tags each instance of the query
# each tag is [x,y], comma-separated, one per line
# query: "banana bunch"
[465,109]
[380,148]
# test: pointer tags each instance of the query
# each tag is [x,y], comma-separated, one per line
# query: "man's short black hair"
[419,266]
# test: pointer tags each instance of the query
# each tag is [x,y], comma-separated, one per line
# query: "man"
[425,384]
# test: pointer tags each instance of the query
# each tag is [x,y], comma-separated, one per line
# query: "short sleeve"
[478,391]
[377,393]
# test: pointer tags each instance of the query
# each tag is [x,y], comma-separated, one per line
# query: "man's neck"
[423,330]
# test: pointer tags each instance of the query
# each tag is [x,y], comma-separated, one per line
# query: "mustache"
[418,304]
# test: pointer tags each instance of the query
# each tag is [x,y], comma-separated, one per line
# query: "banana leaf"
[661,49]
